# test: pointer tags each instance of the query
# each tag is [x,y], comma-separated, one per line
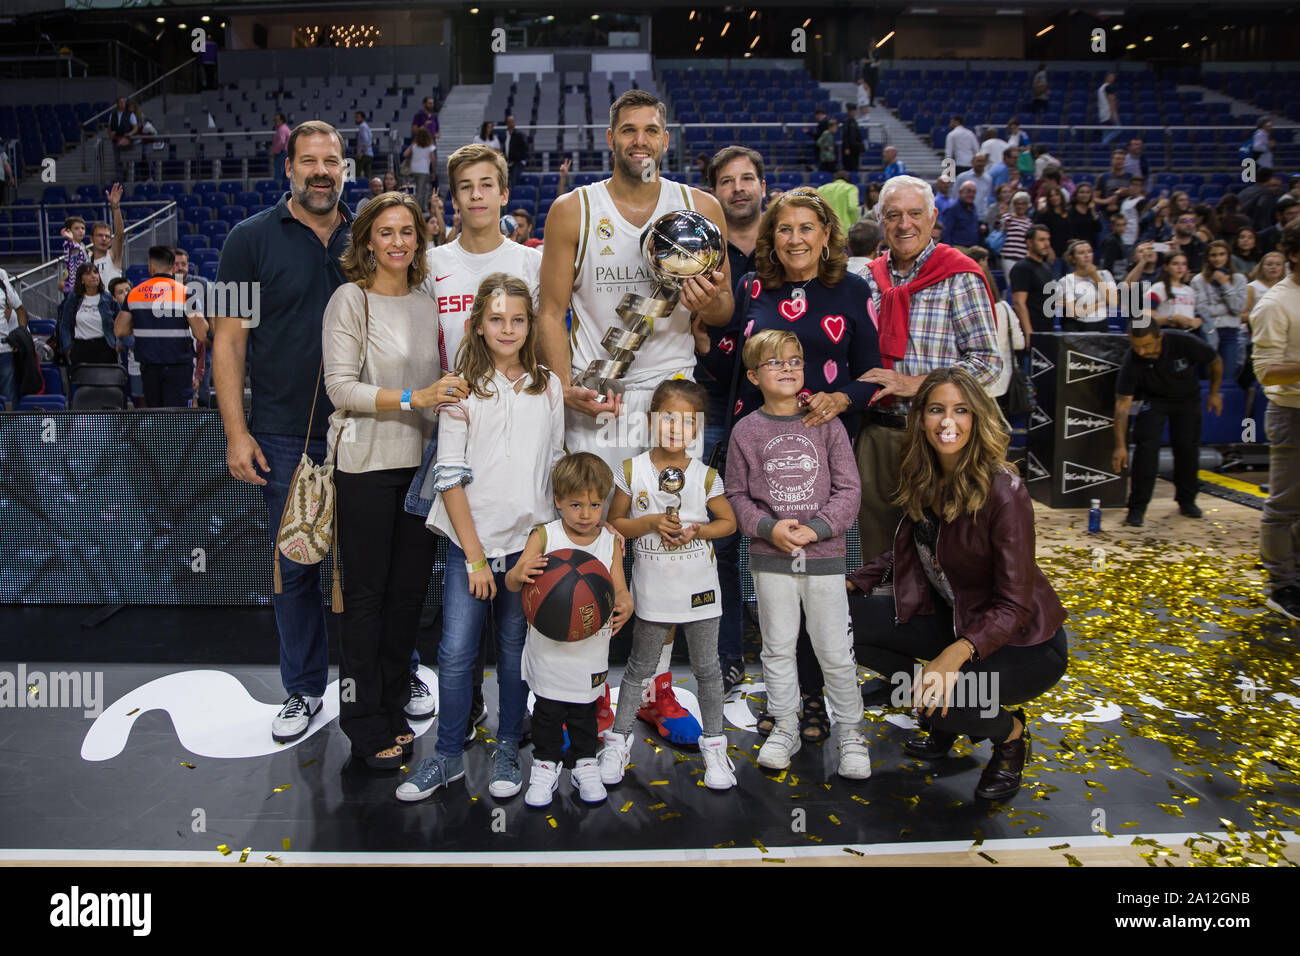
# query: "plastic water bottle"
[1094,516]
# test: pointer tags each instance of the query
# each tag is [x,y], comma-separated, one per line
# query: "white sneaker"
[614,757]
[542,781]
[719,771]
[781,745]
[855,759]
[586,777]
[294,717]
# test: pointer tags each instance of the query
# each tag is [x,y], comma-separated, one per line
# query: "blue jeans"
[8,386]
[731,629]
[299,610]
[1230,351]
[1113,133]
[462,623]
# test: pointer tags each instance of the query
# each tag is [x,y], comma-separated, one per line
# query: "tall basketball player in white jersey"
[478,177]
[591,258]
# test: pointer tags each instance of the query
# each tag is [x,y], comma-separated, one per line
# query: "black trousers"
[550,717]
[387,558]
[1185,439]
[1011,675]
[91,352]
[168,386]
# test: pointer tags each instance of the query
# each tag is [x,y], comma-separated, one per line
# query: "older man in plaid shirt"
[934,309]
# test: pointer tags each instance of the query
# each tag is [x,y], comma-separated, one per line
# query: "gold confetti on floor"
[132,713]
[243,857]
[282,788]
[187,765]
[626,807]
[286,844]
[225,850]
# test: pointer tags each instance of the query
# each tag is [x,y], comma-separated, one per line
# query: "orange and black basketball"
[572,598]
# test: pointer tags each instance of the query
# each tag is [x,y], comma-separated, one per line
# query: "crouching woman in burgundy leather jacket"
[968,596]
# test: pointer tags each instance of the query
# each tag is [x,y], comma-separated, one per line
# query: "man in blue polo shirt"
[165,331]
[292,252]
[961,224]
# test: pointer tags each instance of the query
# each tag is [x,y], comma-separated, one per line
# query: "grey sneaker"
[733,673]
[421,705]
[294,718]
[1285,601]
[478,713]
[507,778]
[431,774]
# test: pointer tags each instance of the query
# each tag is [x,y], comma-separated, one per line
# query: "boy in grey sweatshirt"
[795,491]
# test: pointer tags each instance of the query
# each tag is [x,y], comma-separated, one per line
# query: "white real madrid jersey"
[672,585]
[453,281]
[608,266]
[573,673]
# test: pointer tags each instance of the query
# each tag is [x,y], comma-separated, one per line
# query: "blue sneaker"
[507,778]
[673,721]
[431,774]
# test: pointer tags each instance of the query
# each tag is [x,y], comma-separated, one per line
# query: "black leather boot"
[934,746]
[1001,778]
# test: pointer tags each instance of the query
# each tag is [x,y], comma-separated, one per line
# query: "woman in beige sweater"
[382,373]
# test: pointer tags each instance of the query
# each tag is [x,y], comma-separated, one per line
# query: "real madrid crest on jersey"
[604,228]
[642,501]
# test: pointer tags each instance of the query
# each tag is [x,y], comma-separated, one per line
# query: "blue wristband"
[406,400]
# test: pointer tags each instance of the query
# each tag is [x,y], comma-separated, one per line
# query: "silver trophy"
[675,246]
[672,481]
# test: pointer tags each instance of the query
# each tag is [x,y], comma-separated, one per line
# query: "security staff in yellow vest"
[165,332]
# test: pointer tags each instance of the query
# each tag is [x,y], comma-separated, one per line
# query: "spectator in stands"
[992,144]
[1155,225]
[516,150]
[943,197]
[1110,183]
[1085,223]
[1108,109]
[119,288]
[864,243]
[376,187]
[1261,147]
[821,124]
[841,194]
[1016,225]
[439,234]
[281,249]
[935,310]
[1087,294]
[1132,202]
[523,225]
[12,315]
[74,253]
[85,326]
[1268,272]
[106,241]
[279,146]
[149,135]
[365,147]
[1113,251]
[851,140]
[1050,179]
[1001,172]
[872,75]
[422,154]
[1179,203]
[961,144]
[426,118]
[1220,300]
[122,125]
[563,186]
[1135,160]
[1275,322]
[1186,242]
[196,297]
[1053,213]
[826,147]
[487,136]
[1042,159]
[1040,91]
[1172,300]
[1161,368]
[961,223]
[1013,180]
[891,165]
[1228,220]
[391,185]
[1258,200]
[166,327]
[1207,223]
[1146,265]
[1031,281]
[864,97]
[702,169]
[1245,250]
[1012,336]
[979,175]
[872,198]
[1285,212]
[999,207]
[1018,137]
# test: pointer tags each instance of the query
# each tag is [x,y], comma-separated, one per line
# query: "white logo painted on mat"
[1075,476]
[1080,366]
[1080,421]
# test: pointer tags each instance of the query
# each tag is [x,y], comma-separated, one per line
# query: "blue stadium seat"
[193,244]
[42,403]
[40,326]
[137,274]
[231,188]
[53,380]
[215,230]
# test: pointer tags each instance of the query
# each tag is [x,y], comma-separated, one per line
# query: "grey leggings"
[647,644]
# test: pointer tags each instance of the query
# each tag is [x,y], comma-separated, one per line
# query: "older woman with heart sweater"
[801,284]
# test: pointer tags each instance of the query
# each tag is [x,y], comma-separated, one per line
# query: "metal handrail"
[135,93]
